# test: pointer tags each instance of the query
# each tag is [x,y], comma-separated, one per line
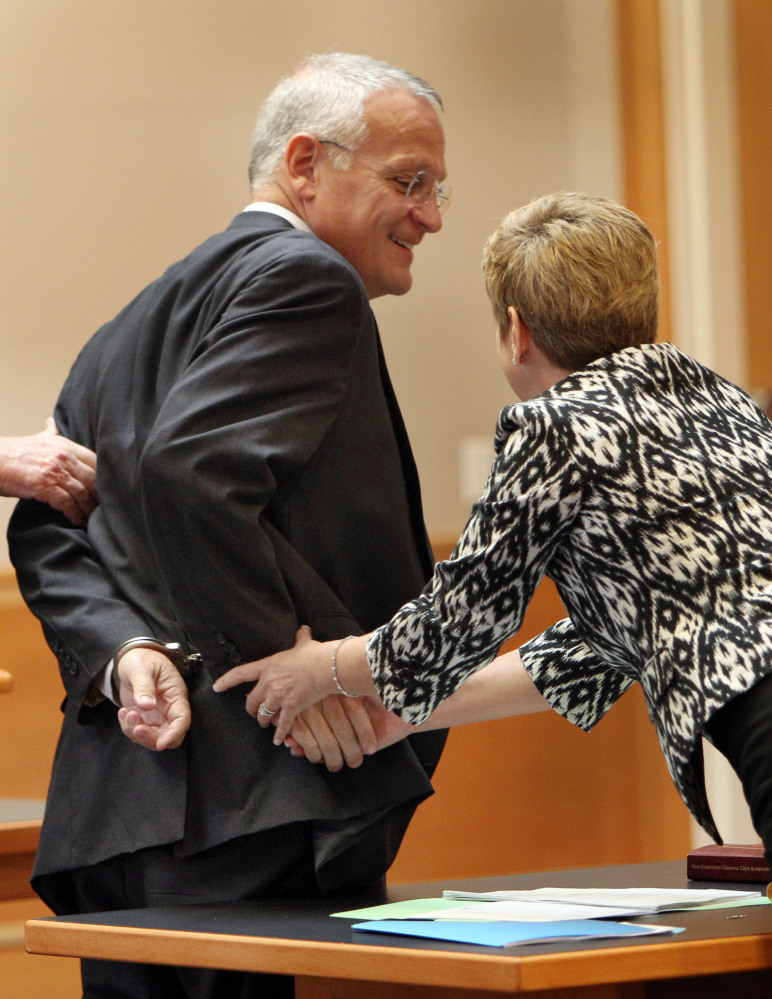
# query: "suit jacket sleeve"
[85,618]
[252,404]
[234,434]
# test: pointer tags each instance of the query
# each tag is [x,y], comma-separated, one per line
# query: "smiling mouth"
[403,243]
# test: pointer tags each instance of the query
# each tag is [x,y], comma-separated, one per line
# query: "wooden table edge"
[499,971]
[20,837]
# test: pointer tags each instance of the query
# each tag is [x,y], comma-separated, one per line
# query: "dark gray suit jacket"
[254,474]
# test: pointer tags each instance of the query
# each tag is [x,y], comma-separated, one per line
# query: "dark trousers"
[276,862]
[742,731]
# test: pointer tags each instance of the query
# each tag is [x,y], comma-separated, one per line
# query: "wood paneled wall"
[29,726]
[643,130]
[535,793]
[753,24]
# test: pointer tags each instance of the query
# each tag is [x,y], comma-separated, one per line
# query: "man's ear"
[301,161]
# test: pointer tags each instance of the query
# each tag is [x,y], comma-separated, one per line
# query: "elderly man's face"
[363,213]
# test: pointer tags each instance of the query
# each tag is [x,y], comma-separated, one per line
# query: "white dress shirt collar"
[274,209]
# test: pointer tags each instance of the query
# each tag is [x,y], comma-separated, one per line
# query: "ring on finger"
[265,712]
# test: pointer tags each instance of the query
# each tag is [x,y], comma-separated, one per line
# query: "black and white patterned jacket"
[642,485]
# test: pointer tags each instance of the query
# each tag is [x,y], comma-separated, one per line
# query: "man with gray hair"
[254,476]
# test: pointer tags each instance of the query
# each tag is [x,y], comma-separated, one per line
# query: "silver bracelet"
[338,684]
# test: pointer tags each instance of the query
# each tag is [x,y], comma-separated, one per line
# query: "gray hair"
[326,96]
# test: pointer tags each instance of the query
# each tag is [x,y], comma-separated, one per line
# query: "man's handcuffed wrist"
[172,650]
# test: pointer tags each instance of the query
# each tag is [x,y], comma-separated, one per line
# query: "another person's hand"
[52,469]
[337,732]
[294,680]
[384,729]
[155,711]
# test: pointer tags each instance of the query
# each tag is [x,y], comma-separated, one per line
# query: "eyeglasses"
[421,188]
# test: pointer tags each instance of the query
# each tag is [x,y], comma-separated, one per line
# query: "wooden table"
[20,821]
[721,953]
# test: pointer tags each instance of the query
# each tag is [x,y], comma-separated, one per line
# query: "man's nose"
[427,215]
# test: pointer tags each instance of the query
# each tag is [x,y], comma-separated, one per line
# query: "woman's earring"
[514,361]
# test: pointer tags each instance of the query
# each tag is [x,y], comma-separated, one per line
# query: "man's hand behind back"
[342,740]
[155,711]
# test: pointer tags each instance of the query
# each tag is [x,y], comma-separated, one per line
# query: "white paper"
[527,911]
[630,901]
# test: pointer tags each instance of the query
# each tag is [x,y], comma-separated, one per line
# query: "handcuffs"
[172,650]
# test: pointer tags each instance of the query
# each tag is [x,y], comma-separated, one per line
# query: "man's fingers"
[172,737]
[82,489]
[342,730]
[86,460]
[134,729]
[304,738]
[75,502]
[144,695]
[66,478]
[362,724]
[140,679]
[126,727]
[328,747]
[156,737]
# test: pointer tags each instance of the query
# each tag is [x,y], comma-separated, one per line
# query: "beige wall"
[125,131]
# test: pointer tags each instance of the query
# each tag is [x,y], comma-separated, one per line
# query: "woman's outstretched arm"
[499,690]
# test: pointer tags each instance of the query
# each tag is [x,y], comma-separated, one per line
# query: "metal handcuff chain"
[172,650]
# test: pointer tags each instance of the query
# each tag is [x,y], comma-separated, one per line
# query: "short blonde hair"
[582,274]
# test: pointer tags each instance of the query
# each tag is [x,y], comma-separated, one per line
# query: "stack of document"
[589,903]
[544,915]
[510,934]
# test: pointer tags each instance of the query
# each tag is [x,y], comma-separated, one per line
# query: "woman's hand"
[285,683]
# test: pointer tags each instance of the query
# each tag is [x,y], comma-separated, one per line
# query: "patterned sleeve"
[570,676]
[476,600]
